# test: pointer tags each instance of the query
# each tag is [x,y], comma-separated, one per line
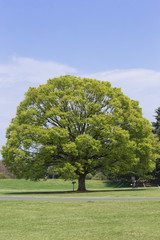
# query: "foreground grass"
[25,220]
[15,187]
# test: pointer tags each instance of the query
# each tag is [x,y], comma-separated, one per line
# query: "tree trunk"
[81,183]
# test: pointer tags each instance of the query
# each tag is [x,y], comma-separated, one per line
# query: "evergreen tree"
[156,130]
[156,125]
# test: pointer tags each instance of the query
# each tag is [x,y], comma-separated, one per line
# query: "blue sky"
[111,40]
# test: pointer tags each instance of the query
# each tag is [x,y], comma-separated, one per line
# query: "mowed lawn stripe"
[76,198]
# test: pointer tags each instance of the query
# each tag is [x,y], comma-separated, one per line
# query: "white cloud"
[31,70]
[144,77]
[139,84]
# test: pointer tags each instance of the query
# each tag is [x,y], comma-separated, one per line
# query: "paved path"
[75,199]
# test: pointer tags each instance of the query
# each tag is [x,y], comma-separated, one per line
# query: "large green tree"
[75,126]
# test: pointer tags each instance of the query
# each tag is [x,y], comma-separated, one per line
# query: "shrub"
[89,176]
[4,176]
[99,176]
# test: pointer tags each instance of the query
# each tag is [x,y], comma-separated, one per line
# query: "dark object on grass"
[73,185]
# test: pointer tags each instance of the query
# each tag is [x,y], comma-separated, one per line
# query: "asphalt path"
[75,199]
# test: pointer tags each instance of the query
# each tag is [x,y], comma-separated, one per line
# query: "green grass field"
[47,220]
[49,188]
[70,220]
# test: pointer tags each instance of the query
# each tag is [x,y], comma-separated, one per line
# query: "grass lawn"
[70,220]
[15,187]
[113,220]
[49,185]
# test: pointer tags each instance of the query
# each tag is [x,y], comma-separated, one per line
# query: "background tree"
[156,130]
[76,126]
[156,125]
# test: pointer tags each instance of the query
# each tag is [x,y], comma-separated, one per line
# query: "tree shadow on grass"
[73,192]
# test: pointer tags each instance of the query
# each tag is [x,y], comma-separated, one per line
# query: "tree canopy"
[156,131]
[156,125]
[75,126]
